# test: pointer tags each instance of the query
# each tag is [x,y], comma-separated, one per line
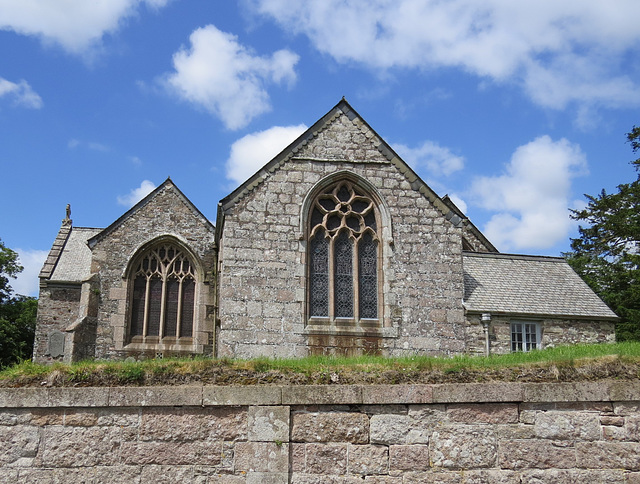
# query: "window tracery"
[163,295]
[343,255]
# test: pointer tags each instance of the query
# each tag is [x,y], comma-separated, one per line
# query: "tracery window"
[343,260]
[163,295]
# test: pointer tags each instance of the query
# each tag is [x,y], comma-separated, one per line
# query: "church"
[334,247]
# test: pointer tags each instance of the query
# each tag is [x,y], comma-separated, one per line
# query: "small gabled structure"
[141,286]
[335,246]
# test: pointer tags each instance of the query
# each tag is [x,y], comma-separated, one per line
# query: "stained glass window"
[343,255]
[163,294]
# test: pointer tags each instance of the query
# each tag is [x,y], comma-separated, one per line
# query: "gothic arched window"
[343,258]
[163,295]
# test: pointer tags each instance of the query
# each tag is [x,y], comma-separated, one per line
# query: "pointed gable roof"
[370,139]
[166,185]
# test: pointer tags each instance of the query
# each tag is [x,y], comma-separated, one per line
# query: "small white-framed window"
[525,336]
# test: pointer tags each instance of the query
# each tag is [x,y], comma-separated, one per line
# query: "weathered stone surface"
[608,455]
[483,413]
[78,397]
[162,474]
[568,425]
[171,453]
[566,392]
[187,424]
[398,429]
[241,395]
[409,458]
[155,396]
[79,446]
[477,392]
[537,454]
[18,443]
[330,427]
[572,476]
[301,478]
[468,447]
[385,394]
[368,460]
[261,457]
[58,476]
[326,459]
[321,395]
[268,424]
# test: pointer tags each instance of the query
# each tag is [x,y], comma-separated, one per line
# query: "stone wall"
[58,307]
[392,434]
[262,273]
[166,215]
[554,332]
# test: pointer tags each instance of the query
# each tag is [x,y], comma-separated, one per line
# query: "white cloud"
[533,196]
[559,51]
[251,152]
[21,93]
[27,283]
[460,203]
[76,25]
[227,79]
[437,159]
[137,194]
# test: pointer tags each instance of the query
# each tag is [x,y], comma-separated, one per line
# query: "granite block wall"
[398,434]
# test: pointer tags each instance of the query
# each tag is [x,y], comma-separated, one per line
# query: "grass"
[564,363]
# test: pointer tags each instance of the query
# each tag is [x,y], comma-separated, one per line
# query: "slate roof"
[528,285]
[74,262]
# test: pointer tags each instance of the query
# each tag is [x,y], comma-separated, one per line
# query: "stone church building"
[335,246]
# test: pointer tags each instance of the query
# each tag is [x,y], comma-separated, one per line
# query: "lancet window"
[343,259]
[162,295]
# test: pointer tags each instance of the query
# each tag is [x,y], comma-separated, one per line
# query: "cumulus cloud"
[26,283]
[533,195]
[437,159]
[20,93]
[137,194]
[251,152]
[76,25]
[558,52]
[226,78]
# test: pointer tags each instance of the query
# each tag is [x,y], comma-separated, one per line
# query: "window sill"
[161,347]
[350,330]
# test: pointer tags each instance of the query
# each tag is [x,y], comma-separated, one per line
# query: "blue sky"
[514,109]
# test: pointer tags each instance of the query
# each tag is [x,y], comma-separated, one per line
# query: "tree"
[607,254]
[17,313]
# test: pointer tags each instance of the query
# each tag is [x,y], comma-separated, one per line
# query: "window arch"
[162,297]
[343,256]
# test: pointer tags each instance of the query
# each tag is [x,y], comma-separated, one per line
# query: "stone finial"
[67,219]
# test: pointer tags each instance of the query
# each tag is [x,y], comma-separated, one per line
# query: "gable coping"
[168,183]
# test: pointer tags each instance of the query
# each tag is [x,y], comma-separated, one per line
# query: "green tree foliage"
[17,313]
[607,254]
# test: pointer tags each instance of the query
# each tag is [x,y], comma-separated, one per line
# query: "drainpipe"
[486,320]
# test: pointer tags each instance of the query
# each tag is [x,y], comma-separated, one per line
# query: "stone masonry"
[397,434]
[263,279]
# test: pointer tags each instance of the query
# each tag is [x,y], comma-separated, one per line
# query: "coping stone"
[567,392]
[78,397]
[155,396]
[620,391]
[322,395]
[396,394]
[242,395]
[23,397]
[477,392]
